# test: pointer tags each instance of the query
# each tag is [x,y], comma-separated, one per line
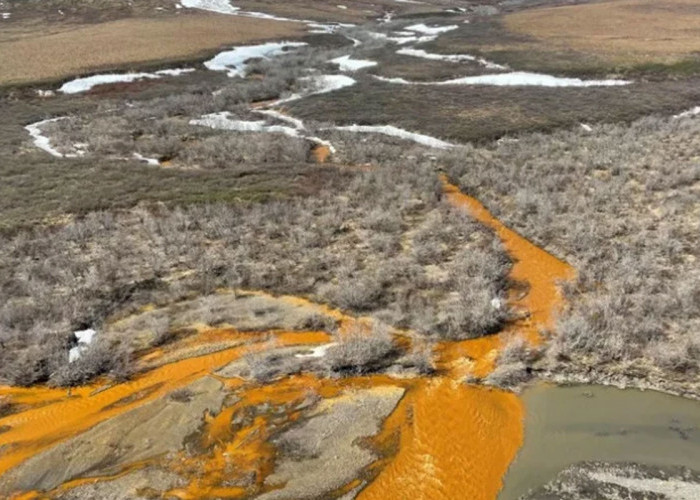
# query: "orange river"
[445,439]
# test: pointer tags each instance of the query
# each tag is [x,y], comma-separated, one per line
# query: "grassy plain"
[28,54]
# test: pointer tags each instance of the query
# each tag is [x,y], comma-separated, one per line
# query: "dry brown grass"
[627,31]
[32,55]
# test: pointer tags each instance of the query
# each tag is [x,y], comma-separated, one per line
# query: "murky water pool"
[565,425]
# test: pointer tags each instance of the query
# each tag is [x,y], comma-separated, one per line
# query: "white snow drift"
[430,30]
[234,61]
[515,78]
[85,338]
[223,121]
[346,63]
[42,141]
[392,131]
[84,84]
[220,6]
[448,57]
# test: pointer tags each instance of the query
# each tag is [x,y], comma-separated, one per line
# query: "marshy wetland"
[370,250]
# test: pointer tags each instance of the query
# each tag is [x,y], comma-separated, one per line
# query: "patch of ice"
[691,112]
[346,63]
[316,352]
[219,6]
[392,131]
[234,61]
[516,78]
[85,338]
[431,30]
[40,140]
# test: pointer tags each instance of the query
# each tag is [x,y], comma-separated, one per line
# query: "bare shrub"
[100,358]
[361,351]
[619,204]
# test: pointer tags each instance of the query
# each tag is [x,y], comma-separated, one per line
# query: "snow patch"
[431,30]
[691,112]
[40,140]
[84,84]
[5,15]
[448,57]
[319,84]
[515,78]
[316,352]
[234,61]
[85,338]
[346,63]
[150,161]
[392,131]
[295,122]
[219,6]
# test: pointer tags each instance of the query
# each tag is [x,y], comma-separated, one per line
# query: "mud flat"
[568,425]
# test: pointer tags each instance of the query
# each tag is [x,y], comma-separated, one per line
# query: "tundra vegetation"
[621,204]
[384,245]
[368,232]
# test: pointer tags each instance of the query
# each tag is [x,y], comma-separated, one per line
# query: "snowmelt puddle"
[84,84]
[235,61]
[514,79]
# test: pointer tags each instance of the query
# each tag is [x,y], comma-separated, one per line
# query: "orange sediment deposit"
[321,152]
[34,430]
[457,441]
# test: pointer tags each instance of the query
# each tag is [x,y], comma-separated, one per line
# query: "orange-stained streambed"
[445,439]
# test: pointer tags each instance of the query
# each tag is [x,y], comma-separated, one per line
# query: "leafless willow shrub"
[620,204]
[324,247]
[361,351]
